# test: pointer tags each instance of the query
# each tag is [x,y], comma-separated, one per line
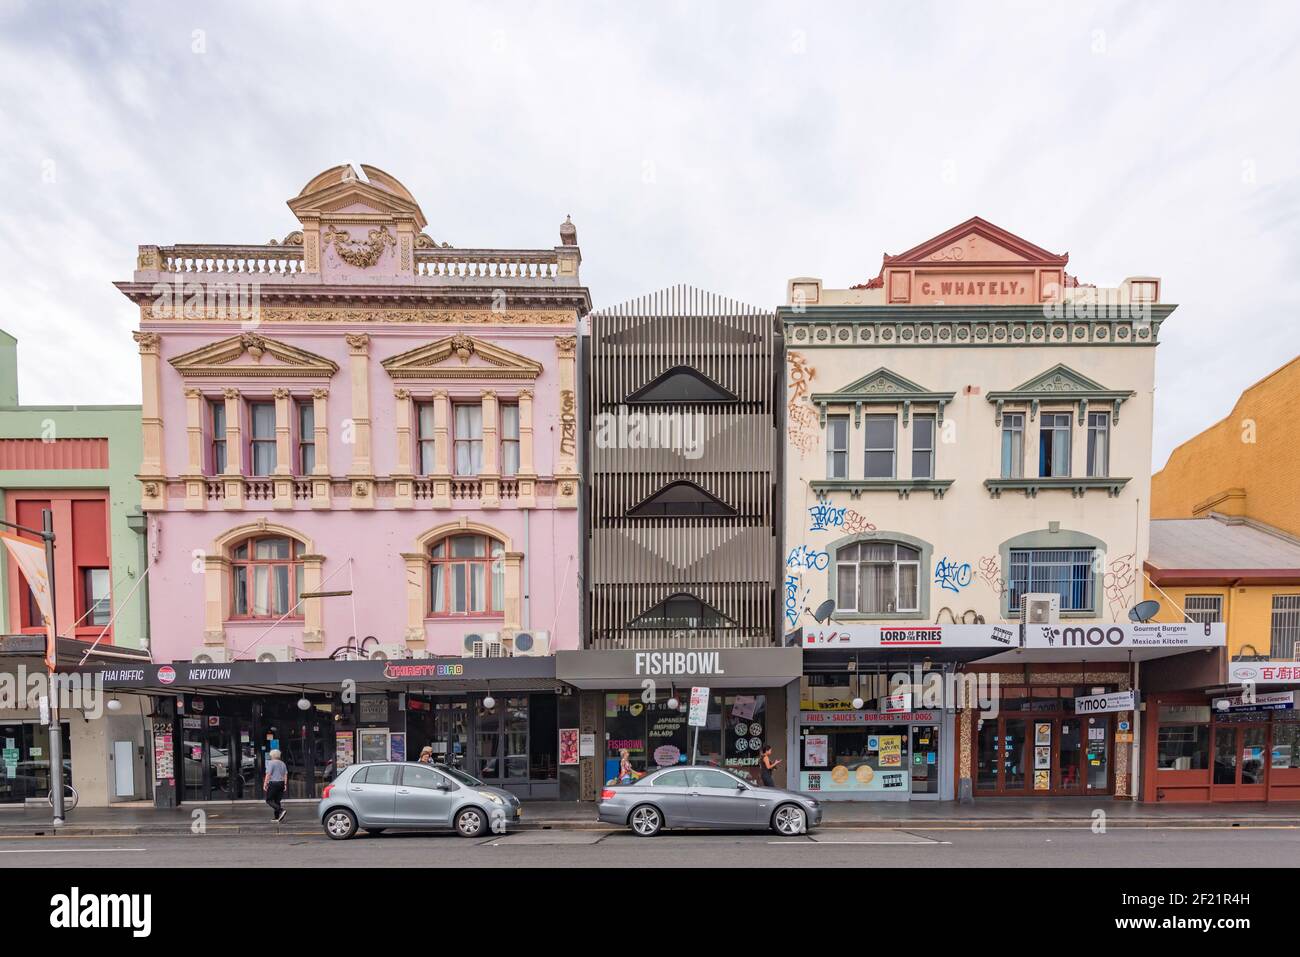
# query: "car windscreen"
[459,775]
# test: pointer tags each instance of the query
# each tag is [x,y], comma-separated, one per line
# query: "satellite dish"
[1144,610]
[824,610]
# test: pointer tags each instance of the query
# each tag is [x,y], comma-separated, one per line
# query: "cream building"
[968,428]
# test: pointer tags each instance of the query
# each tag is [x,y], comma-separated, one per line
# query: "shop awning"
[1112,641]
[292,677]
[682,668]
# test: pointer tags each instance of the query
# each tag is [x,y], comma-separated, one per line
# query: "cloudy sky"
[729,145]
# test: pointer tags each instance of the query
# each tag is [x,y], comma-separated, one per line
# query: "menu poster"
[164,766]
[1042,780]
[815,748]
[568,746]
[891,751]
[1043,734]
[1042,759]
[343,752]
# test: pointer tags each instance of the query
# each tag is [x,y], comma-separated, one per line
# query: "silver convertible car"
[410,796]
[705,797]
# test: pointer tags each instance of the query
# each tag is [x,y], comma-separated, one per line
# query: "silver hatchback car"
[694,796]
[409,796]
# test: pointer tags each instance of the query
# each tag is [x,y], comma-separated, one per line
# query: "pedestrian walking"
[274,783]
[766,765]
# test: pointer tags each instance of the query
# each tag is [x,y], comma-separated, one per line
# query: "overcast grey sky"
[729,145]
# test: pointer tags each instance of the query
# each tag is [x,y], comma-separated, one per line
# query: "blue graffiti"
[951,575]
[801,556]
[826,516]
[792,599]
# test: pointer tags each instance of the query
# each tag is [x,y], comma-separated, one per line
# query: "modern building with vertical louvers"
[682,532]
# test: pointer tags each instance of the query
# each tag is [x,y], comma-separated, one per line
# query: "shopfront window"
[862,758]
[25,761]
[1286,745]
[1183,738]
[655,736]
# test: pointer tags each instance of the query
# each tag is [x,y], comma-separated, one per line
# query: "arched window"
[266,577]
[467,576]
[682,611]
[877,578]
[684,499]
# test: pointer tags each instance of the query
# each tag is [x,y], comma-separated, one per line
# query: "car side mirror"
[740,786]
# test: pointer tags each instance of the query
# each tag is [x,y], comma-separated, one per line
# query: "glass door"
[451,733]
[925,759]
[1069,772]
[1240,762]
[1013,755]
[1097,749]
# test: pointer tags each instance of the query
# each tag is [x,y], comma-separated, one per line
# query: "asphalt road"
[831,847]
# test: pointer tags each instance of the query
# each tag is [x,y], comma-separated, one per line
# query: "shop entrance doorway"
[218,759]
[1240,765]
[1044,755]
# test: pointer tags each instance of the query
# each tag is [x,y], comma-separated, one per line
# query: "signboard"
[860,778]
[1126,635]
[699,707]
[1104,703]
[897,703]
[912,636]
[587,746]
[343,753]
[1264,672]
[891,751]
[1271,701]
[568,746]
[867,717]
[30,558]
[373,708]
[816,749]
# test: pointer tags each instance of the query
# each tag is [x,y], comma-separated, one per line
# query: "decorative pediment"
[461,357]
[882,387]
[252,355]
[976,242]
[339,193]
[1061,383]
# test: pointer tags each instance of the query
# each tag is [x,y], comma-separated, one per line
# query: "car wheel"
[470,822]
[340,824]
[376,831]
[790,820]
[645,821]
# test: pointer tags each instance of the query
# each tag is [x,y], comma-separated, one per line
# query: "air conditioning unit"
[1040,608]
[388,650]
[531,644]
[486,645]
[270,653]
[212,656]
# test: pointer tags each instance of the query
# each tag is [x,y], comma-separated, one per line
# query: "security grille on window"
[1065,571]
[881,438]
[877,578]
[1203,609]
[1286,626]
[837,447]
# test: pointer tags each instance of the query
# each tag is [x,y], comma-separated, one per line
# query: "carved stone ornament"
[230,393]
[148,341]
[360,254]
[565,345]
[358,341]
[281,393]
[425,241]
[255,346]
[293,239]
[320,393]
[463,346]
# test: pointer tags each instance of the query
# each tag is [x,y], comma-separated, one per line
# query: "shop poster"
[568,746]
[1042,759]
[861,778]
[815,748]
[587,745]
[343,752]
[891,750]
[1043,734]
[1042,780]
[397,746]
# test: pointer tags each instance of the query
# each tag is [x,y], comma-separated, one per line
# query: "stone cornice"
[922,326]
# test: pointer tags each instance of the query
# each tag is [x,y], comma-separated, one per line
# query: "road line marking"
[860,843]
[76,850]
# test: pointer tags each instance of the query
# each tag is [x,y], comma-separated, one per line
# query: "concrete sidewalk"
[254,817]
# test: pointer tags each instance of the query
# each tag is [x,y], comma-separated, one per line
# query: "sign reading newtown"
[1127,635]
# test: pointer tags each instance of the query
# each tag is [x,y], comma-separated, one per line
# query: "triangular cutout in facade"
[681,384]
[683,499]
[461,357]
[682,610]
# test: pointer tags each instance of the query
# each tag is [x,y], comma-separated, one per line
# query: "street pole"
[51,658]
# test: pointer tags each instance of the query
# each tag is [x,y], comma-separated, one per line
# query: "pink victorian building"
[361,481]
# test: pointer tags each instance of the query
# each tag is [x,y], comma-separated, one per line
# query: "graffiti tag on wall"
[952,575]
[803,427]
[1118,584]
